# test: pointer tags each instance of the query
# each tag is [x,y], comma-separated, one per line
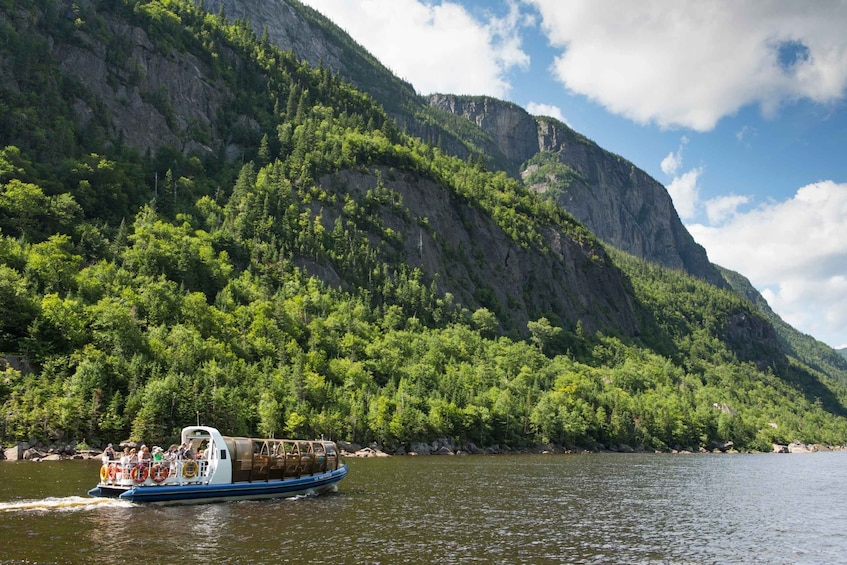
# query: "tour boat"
[225,468]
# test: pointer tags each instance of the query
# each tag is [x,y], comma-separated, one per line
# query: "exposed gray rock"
[369,452]
[797,447]
[576,283]
[147,98]
[514,132]
[349,447]
[617,201]
[420,448]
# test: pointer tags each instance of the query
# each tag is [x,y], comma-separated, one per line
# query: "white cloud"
[722,208]
[671,164]
[690,63]
[685,193]
[683,189]
[538,109]
[438,47]
[795,252]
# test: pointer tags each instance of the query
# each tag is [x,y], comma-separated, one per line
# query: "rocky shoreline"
[449,447]
[39,451]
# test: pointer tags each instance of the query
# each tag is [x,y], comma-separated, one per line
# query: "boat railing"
[115,472]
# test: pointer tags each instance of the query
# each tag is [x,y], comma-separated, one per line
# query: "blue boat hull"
[205,493]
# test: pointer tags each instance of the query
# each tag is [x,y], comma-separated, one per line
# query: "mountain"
[310,37]
[197,223]
[805,348]
[617,201]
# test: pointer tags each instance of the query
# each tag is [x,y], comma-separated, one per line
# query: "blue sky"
[736,106]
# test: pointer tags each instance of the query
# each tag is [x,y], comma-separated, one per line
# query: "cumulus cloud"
[683,189]
[685,193]
[671,164]
[438,47]
[795,252]
[722,208]
[690,63]
[538,109]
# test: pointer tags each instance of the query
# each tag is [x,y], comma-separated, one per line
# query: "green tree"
[542,332]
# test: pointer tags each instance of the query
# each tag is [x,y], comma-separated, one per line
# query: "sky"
[738,107]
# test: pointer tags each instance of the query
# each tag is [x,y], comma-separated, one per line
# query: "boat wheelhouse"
[214,468]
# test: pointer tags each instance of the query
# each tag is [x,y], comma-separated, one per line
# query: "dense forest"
[144,290]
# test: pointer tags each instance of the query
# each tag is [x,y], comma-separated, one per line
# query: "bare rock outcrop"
[616,200]
[576,281]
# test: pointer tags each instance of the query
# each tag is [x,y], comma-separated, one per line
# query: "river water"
[595,508]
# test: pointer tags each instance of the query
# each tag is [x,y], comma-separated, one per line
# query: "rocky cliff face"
[617,201]
[146,98]
[317,41]
[513,131]
[623,205]
[469,253]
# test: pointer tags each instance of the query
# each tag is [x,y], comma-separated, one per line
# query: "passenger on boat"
[157,454]
[109,454]
[124,463]
[128,461]
[145,456]
[170,457]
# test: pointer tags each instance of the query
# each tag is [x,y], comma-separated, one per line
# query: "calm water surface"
[599,508]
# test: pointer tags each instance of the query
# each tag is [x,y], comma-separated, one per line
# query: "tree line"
[146,291]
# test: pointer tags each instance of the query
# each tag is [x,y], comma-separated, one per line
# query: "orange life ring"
[139,473]
[104,473]
[189,469]
[159,472]
[113,471]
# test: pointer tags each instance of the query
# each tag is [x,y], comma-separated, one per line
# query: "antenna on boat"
[198,417]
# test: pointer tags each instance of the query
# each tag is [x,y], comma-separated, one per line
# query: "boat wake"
[64,504]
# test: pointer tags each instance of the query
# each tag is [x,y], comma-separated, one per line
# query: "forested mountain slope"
[194,223]
[620,203]
[806,348]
